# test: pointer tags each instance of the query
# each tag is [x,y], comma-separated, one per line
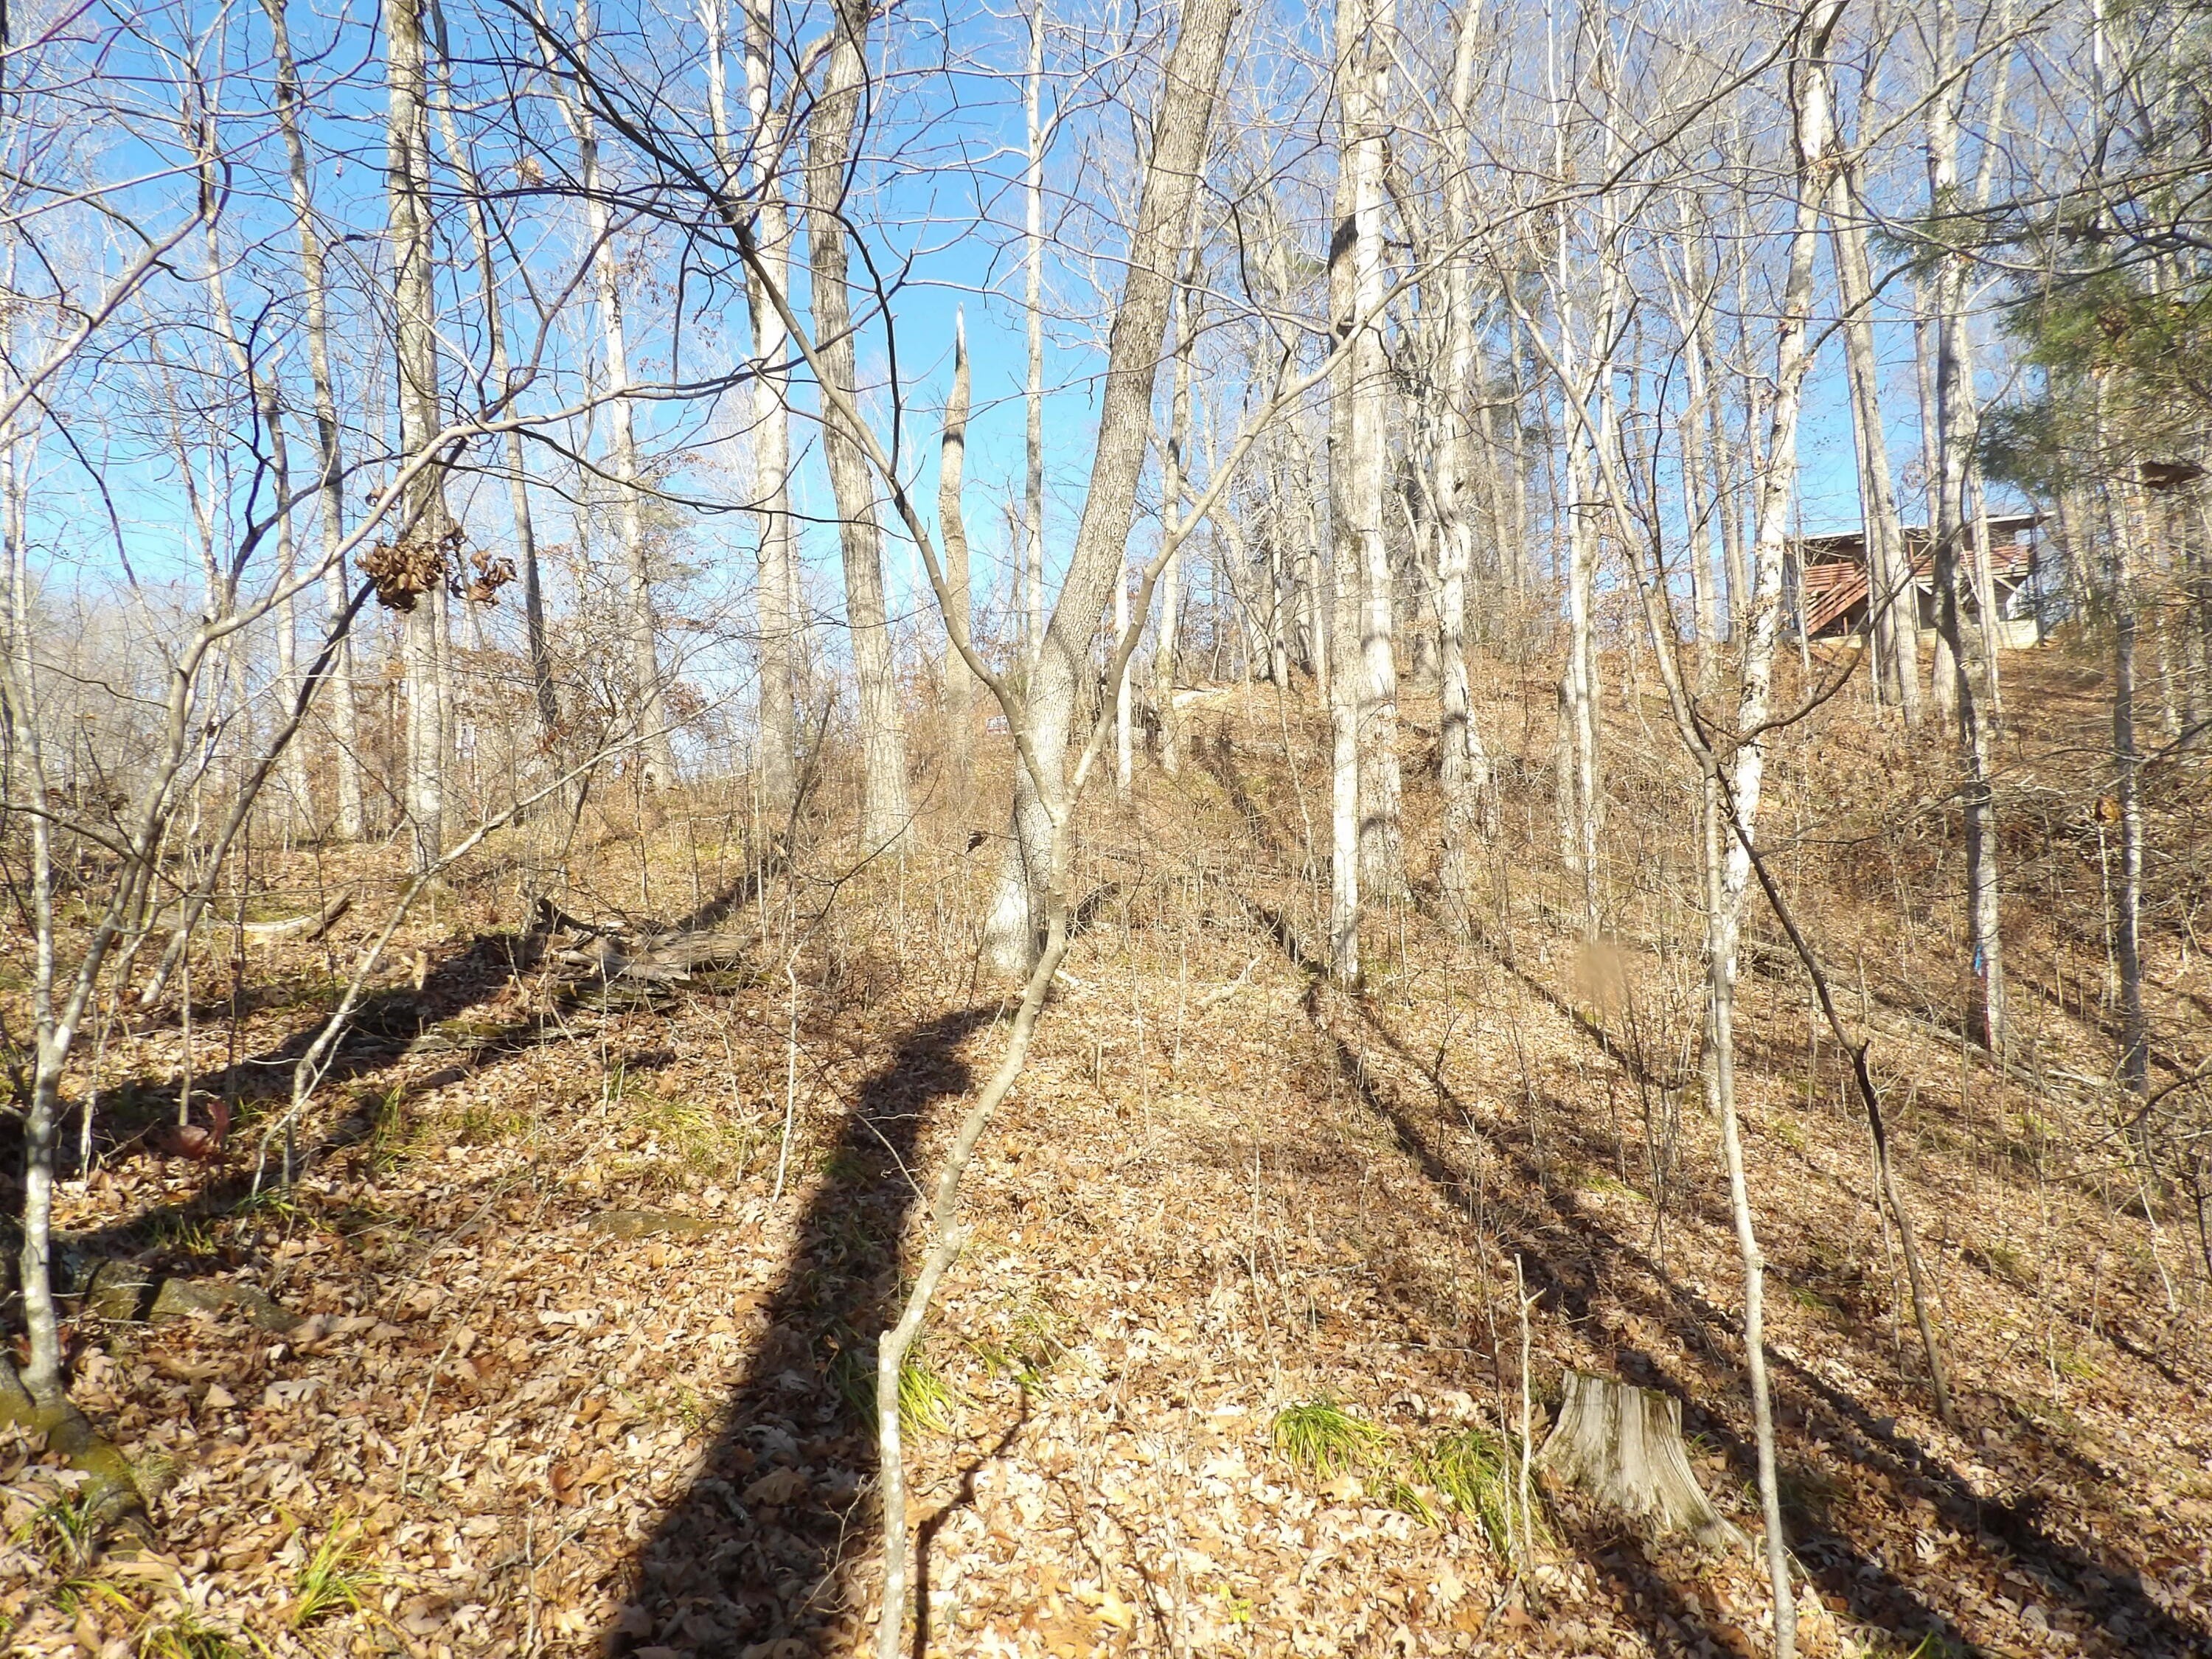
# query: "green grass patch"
[1597,1181]
[2008,1263]
[704,1139]
[1321,1437]
[1473,1470]
[185,1635]
[1029,1347]
[333,1579]
[2073,1364]
[928,1401]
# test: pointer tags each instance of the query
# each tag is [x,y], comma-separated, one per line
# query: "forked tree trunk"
[1183,120]
[1621,1446]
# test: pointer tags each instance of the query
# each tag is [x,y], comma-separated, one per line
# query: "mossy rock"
[120,1292]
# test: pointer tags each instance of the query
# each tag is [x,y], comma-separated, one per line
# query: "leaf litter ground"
[572,1378]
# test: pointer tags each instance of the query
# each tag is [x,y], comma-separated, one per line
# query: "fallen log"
[666,958]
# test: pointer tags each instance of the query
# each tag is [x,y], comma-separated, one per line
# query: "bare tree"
[776,607]
[330,469]
[1032,575]
[885,816]
[1183,119]
[425,530]
[1892,594]
[1956,413]
[639,626]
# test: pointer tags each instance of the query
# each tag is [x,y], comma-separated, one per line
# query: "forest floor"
[584,1337]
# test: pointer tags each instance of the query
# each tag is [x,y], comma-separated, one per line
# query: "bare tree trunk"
[1955,423]
[1124,745]
[1892,599]
[270,407]
[2126,527]
[330,469]
[1180,128]
[658,744]
[1347,687]
[42,1369]
[776,609]
[1588,369]
[1700,505]
[446,703]
[1318,616]
[535,645]
[1516,541]
[886,815]
[1462,762]
[952,531]
[1033,299]
[424,524]
[1985,586]
[1943,672]
[1731,878]
[1174,463]
[1358,402]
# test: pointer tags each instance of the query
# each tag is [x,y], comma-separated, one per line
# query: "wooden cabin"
[1832,587]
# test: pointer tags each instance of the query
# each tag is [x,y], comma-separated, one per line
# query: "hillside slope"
[586,1333]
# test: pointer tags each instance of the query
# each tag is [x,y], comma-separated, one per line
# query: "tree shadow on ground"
[763,1548]
[389,1025]
[1575,1260]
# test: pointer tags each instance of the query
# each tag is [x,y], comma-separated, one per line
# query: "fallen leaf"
[776,1487]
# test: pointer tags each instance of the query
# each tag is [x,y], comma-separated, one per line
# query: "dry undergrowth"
[572,1377]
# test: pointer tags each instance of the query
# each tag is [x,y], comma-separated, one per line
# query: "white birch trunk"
[1777,485]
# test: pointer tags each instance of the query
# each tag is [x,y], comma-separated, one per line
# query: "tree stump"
[1622,1446]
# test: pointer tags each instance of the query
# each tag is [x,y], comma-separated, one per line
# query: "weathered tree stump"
[1622,1446]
